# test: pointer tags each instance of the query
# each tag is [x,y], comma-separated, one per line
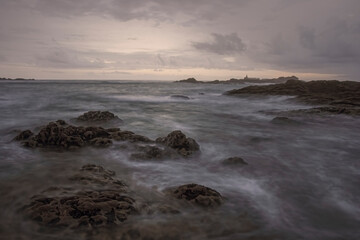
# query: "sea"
[301,181]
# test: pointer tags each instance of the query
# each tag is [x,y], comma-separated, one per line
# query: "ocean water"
[301,182]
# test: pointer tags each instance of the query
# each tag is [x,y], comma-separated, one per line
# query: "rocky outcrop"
[340,97]
[197,194]
[177,140]
[61,135]
[232,161]
[98,116]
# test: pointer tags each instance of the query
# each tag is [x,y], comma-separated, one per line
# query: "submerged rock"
[284,120]
[197,194]
[24,135]
[234,161]
[180,96]
[98,116]
[129,136]
[185,146]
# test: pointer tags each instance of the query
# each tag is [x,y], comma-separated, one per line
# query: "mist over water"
[302,181]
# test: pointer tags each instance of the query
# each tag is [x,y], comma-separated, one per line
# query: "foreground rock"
[341,97]
[177,140]
[104,202]
[232,161]
[61,135]
[98,116]
[197,194]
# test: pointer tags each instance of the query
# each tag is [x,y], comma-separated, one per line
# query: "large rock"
[98,116]
[197,194]
[177,140]
[87,208]
[24,135]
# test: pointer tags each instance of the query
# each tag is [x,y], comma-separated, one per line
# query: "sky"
[177,39]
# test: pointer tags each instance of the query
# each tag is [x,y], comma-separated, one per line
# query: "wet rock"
[24,135]
[98,116]
[180,96]
[82,209]
[234,161]
[101,142]
[148,153]
[129,136]
[177,140]
[197,194]
[91,174]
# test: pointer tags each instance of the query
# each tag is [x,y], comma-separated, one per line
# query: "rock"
[98,116]
[197,194]
[153,153]
[234,161]
[91,174]
[180,96]
[284,120]
[129,136]
[60,135]
[24,135]
[178,141]
[87,209]
[101,142]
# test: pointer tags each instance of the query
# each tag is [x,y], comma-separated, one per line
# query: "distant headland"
[246,79]
[17,79]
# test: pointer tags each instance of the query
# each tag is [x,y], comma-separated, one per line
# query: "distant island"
[241,81]
[17,79]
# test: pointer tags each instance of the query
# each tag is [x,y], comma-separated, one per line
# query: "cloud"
[222,44]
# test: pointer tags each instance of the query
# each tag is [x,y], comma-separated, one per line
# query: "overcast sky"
[176,39]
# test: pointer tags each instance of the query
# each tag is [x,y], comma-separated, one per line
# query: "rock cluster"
[63,136]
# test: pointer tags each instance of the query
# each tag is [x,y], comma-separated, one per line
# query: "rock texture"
[98,116]
[61,135]
[185,146]
[340,97]
[197,194]
[104,202]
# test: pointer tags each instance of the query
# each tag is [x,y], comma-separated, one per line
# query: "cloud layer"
[168,39]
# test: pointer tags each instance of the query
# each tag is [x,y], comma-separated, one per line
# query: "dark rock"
[98,116]
[180,96]
[234,161]
[153,153]
[177,140]
[129,136]
[101,142]
[197,194]
[82,209]
[91,174]
[24,135]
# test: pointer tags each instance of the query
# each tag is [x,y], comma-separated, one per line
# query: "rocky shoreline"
[334,97]
[97,199]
